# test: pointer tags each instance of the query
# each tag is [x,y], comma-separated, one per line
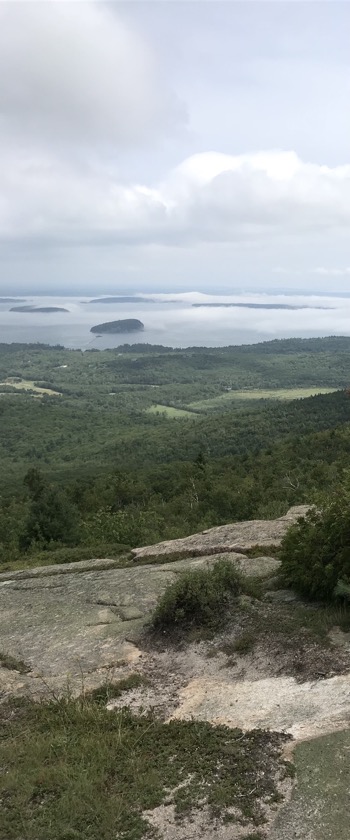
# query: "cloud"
[320,271]
[79,89]
[210,197]
[331,272]
[76,73]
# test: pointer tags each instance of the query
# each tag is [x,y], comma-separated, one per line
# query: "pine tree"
[52,517]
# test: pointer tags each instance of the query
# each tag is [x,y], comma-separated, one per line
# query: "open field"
[261,394]
[169,411]
[28,385]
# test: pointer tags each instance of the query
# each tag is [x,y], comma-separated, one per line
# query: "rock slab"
[75,622]
[239,537]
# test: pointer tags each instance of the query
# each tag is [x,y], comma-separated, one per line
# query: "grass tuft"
[243,645]
[111,691]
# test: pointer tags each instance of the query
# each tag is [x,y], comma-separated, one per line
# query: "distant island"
[125,326]
[261,305]
[38,309]
[122,299]
[12,300]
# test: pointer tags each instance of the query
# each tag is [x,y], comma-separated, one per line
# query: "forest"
[123,447]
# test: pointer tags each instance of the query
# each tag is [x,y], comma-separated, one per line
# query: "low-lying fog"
[170,319]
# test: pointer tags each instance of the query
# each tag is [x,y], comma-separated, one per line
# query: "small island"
[126,325]
[38,309]
[11,300]
[259,306]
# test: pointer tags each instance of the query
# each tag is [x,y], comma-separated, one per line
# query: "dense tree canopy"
[316,551]
[89,460]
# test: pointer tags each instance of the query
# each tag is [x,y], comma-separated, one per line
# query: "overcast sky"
[174,145]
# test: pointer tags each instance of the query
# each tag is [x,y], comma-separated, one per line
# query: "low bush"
[244,644]
[72,770]
[315,553]
[112,691]
[198,598]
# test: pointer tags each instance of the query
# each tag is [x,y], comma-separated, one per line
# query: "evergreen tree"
[52,519]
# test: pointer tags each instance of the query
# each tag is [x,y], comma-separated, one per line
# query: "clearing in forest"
[261,394]
[28,385]
[170,411]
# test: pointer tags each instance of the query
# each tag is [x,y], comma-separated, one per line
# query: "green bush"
[130,527]
[52,519]
[198,598]
[315,552]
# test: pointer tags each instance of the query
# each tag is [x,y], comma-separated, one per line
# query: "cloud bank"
[209,197]
[77,74]
[105,165]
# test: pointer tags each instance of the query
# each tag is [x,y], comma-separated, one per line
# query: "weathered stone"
[130,613]
[74,622]
[258,566]
[304,710]
[60,569]
[239,537]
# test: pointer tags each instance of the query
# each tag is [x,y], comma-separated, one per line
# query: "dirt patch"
[285,639]
[199,825]
[266,670]
[261,639]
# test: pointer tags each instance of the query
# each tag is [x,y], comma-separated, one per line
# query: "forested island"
[126,325]
[38,309]
[11,300]
[258,306]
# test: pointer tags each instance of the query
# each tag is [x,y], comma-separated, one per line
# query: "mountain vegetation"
[316,551]
[91,461]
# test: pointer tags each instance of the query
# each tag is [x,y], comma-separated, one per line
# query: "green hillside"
[142,443]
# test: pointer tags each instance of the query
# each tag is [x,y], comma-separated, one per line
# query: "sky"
[174,146]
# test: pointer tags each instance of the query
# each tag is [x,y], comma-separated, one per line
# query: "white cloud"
[76,73]
[320,271]
[331,272]
[209,197]
[91,132]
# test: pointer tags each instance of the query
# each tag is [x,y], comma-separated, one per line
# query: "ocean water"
[172,320]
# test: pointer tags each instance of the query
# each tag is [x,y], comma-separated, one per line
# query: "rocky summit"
[79,626]
[239,537]
[76,623]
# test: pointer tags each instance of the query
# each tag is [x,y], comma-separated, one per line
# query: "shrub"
[111,691]
[315,552]
[52,519]
[244,644]
[198,598]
